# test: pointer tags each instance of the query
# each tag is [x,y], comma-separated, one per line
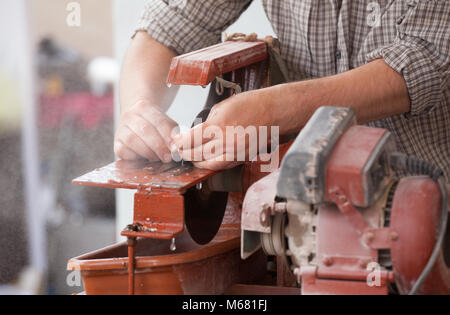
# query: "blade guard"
[203,66]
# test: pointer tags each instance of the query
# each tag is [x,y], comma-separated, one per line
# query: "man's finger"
[162,122]
[151,137]
[124,153]
[135,144]
[207,151]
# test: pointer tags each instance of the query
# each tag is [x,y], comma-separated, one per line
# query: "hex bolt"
[328,261]
[394,236]
[343,199]
[364,263]
[369,237]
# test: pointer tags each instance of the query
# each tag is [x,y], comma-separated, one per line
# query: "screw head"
[363,263]
[343,199]
[328,261]
[369,237]
[394,236]
[264,218]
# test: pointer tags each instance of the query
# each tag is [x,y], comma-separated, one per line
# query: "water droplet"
[173,246]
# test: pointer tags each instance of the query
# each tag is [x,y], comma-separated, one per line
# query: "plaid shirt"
[326,37]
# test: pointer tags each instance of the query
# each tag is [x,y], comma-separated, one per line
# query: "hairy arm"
[374,91]
[144,73]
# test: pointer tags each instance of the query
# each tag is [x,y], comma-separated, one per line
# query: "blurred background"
[59,64]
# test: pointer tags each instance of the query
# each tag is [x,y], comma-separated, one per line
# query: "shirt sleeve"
[421,53]
[188,25]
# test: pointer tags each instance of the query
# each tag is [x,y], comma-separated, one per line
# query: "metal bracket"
[351,213]
[375,238]
[381,238]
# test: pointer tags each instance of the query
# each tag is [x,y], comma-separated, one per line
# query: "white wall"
[16,64]
[190,100]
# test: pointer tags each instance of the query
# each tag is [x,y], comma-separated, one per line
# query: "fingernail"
[167,158]
[176,156]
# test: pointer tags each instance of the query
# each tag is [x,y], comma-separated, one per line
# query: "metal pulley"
[274,244]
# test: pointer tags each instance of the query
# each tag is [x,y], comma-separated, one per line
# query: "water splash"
[173,246]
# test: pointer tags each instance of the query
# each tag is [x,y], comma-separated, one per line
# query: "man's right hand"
[144,132]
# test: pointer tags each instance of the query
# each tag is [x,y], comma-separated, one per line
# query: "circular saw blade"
[205,209]
[204,213]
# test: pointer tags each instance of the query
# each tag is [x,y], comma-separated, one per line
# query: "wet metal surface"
[145,175]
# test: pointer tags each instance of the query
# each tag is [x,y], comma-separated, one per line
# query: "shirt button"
[338,55]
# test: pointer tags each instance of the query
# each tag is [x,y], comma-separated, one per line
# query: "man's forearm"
[144,73]
[144,130]
[374,91]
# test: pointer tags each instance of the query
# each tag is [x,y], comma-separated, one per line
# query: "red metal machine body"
[335,215]
[203,66]
[415,217]
[159,202]
[350,227]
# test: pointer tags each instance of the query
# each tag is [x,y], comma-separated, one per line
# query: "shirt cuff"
[411,59]
[166,24]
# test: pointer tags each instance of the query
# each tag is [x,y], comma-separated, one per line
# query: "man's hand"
[144,132]
[374,91]
[217,144]
[144,129]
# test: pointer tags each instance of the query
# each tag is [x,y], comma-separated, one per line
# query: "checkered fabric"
[326,37]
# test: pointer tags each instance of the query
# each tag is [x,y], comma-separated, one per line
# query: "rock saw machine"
[342,213]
